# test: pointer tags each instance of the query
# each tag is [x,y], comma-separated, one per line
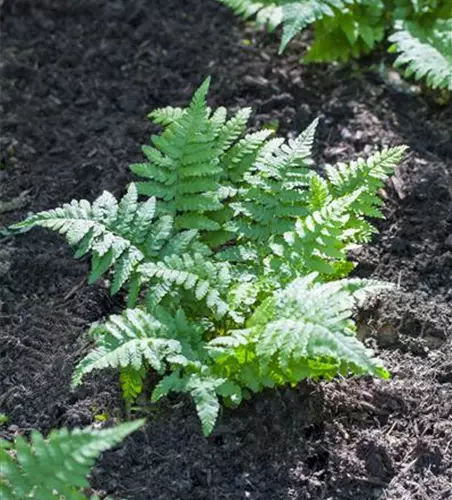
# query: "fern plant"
[419,30]
[55,467]
[235,267]
[426,51]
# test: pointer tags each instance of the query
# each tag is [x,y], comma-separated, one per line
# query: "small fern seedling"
[234,260]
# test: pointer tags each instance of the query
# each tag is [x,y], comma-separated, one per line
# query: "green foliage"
[140,251]
[55,467]
[266,12]
[275,191]
[349,32]
[425,51]
[249,294]
[304,330]
[420,30]
[117,234]
[184,162]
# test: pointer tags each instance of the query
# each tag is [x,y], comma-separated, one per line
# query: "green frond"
[303,331]
[426,51]
[127,342]
[312,329]
[173,382]
[238,253]
[319,242]
[266,12]
[368,176]
[298,15]
[294,15]
[166,116]
[276,194]
[348,32]
[114,233]
[233,129]
[56,466]
[218,119]
[206,280]
[319,193]
[131,381]
[241,157]
[183,171]
[203,390]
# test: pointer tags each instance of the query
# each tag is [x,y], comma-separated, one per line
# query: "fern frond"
[241,157]
[183,169]
[298,15]
[294,15]
[267,13]
[276,193]
[114,233]
[233,129]
[131,381]
[349,31]
[426,51]
[203,388]
[165,116]
[319,242]
[319,193]
[303,331]
[58,465]
[368,176]
[205,279]
[127,342]
[311,329]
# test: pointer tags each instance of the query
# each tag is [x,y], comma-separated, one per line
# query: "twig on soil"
[419,489]
[388,433]
[371,480]
[16,203]
[74,290]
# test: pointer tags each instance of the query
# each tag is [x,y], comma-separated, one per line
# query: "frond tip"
[58,465]
[266,12]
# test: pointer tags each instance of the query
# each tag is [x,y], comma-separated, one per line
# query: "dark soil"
[78,78]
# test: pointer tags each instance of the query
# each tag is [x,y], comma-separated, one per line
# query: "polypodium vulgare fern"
[55,467]
[420,30]
[257,299]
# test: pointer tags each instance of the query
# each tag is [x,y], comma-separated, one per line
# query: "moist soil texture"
[78,78]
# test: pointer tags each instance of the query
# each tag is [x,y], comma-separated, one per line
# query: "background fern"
[425,51]
[419,30]
[234,284]
[56,466]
